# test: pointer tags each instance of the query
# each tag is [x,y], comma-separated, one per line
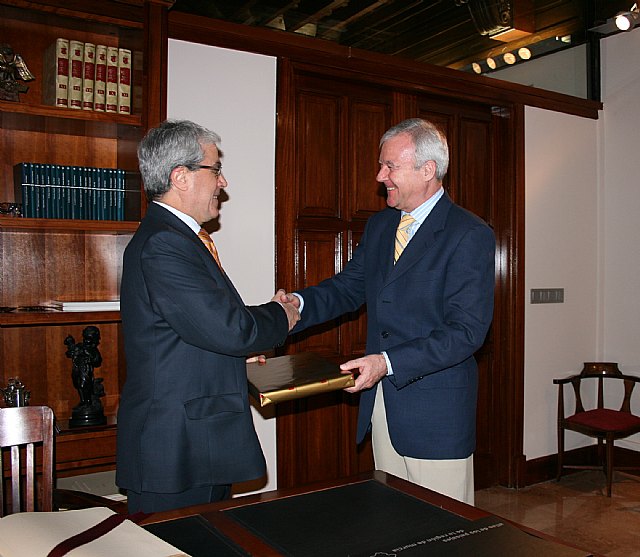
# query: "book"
[56,74]
[124,81]
[111,103]
[76,63]
[294,376]
[100,84]
[137,67]
[37,533]
[23,187]
[88,75]
[85,305]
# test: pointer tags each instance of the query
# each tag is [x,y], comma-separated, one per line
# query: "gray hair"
[172,143]
[430,143]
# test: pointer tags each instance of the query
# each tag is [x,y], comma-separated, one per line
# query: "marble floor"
[576,510]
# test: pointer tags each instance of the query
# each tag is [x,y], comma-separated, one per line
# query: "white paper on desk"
[35,534]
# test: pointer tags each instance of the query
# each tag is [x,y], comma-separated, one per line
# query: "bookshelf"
[46,259]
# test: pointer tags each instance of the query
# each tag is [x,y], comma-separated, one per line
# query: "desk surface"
[371,514]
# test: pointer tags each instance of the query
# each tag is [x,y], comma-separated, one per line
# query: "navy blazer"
[184,419]
[430,313]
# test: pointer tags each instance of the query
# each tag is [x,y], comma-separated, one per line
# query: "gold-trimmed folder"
[295,376]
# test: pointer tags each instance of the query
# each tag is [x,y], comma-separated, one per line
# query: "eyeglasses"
[216,168]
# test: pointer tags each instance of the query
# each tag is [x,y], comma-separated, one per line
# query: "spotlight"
[509,58]
[524,53]
[476,68]
[491,63]
[628,20]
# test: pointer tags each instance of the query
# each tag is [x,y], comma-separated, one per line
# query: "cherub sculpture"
[85,356]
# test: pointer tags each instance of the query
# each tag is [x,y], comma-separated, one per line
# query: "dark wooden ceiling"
[441,32]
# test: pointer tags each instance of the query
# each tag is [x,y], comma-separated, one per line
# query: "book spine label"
[76,59]
[88,75]
[111,104]
[56,74]
[124,81]
[100,85]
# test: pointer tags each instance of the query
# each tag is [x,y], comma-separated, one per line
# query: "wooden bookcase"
[46,259]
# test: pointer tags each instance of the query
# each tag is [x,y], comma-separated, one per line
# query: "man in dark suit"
[427,314]
[185,431]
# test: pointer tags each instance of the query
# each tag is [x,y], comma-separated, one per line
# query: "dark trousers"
[149,502]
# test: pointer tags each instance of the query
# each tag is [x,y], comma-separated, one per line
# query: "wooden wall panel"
[368,120]
[319,258]
[318,155]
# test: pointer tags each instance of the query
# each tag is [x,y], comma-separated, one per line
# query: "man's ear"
[429,168]
[179,178]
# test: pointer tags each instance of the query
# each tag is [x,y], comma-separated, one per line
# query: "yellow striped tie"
[402,235]
[208,241]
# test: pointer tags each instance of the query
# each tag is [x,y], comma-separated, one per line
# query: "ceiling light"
[491,63]
[476,67]
[524,53]
[509,58]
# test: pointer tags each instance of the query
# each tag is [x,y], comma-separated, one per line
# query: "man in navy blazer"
[185,430]
[427,314]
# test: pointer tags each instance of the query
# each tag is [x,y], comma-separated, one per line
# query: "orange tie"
[207,241]
[402,235]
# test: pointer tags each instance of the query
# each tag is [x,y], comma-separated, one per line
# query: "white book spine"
[76,59]
[100,85]
[111,104]
[56,74]
[88,75]
[124,81]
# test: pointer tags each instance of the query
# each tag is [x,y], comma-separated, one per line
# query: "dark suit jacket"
[430,313]
[184,419]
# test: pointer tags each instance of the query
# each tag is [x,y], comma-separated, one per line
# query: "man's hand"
[289,298]
[260,359]
[371,369]
[290,307]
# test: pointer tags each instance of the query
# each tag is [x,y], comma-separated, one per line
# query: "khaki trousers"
[453,478]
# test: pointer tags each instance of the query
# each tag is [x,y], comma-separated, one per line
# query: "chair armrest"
[565,380]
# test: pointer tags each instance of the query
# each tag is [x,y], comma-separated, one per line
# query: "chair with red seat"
[602,423]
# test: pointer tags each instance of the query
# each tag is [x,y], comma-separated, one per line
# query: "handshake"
[290,304]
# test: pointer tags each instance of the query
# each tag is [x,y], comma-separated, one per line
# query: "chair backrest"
[20,430]
[601,371]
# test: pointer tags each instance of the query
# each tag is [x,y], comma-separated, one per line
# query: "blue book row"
[54,191]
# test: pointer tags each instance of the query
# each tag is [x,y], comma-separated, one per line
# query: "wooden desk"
[227,518]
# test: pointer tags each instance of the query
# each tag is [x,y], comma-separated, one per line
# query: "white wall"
[621,205]
[564,71]
[234,94]
[561,251]
[582,225]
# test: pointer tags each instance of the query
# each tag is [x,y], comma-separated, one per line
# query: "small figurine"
[16,394]
[85,356]
[12,68]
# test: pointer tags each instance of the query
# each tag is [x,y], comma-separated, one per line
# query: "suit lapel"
[159,213]
[423,239]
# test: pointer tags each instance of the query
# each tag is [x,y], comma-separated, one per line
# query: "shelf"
[37,117]
[67,226]
[25,318]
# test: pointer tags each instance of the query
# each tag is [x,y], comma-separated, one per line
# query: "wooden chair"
[21,429]
[604,424]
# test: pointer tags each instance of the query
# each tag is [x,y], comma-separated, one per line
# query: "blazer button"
[384,334]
